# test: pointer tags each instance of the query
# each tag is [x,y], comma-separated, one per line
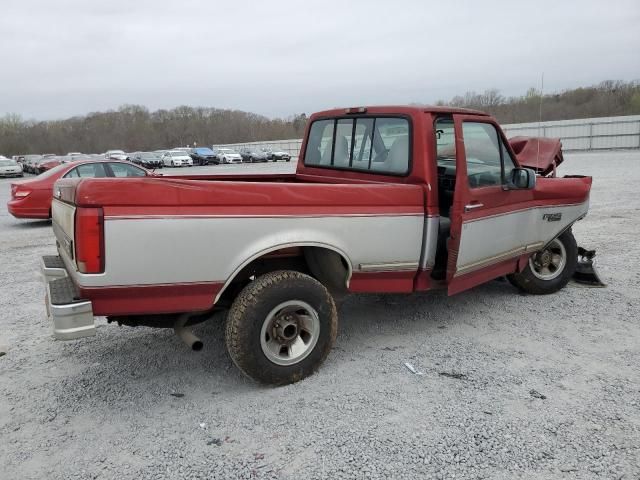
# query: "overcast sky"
[65,57]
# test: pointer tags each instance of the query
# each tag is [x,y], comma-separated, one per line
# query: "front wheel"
[550,269]
[281,327]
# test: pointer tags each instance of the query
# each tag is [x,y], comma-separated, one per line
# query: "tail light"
[17,193]
[89,240]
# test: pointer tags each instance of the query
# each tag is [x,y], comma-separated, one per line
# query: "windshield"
[148,155]
[178,154]
[204,151]
[7,163]
[116,152]
[226,150]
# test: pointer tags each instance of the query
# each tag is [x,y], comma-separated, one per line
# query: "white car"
[10,168]
[176,158]
[227,155]
[116,155]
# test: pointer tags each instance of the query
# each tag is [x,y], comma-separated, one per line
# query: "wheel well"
[328,266]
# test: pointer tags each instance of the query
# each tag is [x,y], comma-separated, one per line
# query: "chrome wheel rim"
[290,332]
[549,263]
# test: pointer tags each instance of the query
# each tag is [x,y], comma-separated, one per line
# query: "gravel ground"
[514,386]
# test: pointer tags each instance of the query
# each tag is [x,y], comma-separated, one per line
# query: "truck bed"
[172,244]
[288,195]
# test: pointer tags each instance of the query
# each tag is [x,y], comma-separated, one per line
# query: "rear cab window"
[373,144]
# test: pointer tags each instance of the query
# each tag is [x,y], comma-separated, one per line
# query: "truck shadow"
[136,366]
[31,224]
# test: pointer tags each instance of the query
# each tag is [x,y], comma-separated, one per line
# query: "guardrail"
[602,133]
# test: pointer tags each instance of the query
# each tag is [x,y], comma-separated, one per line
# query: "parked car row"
[183,156]
[37,164]
[175,157]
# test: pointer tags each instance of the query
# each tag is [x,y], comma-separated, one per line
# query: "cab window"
[125,170]
[483,155]
[88,170]
[374,144]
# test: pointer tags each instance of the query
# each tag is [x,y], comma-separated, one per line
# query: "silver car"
[10,168]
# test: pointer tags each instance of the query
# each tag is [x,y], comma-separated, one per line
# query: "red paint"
[147,299]
[473,279]
[44,166]
[542,154]
[422,281]
[36,205]
[161,196]
[382,282]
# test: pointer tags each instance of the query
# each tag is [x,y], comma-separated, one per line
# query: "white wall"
[584,133]
[602,133]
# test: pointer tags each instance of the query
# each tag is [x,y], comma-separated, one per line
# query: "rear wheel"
[550,269]
[281,327]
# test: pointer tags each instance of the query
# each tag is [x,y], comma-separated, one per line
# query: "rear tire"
[549,270]
[281,327]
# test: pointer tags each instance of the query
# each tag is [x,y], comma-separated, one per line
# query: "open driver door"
[485,241]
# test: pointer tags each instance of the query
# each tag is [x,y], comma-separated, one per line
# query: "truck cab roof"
[399,109]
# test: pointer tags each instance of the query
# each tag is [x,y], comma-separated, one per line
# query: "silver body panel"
[148,250]
[490,239]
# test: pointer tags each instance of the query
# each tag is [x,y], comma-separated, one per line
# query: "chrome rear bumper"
[72,316]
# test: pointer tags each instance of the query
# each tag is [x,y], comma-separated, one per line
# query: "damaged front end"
[544,155]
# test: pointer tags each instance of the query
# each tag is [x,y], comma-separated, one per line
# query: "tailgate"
[63,222]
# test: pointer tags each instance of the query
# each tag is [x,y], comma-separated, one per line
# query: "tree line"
[607,99]
[135,128]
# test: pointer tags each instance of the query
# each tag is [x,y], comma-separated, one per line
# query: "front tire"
[549,270]
[281,327]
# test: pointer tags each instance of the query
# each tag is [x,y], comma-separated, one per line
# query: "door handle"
[473,206]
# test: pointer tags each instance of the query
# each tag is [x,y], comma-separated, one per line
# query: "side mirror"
[524,178]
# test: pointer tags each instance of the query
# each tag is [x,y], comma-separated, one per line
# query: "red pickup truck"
[384,199]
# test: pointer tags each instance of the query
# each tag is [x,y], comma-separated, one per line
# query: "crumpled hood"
[541,154]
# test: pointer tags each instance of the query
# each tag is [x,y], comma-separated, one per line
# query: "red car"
[50,163]
[32,198]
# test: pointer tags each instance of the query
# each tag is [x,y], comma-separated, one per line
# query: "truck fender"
[323,270]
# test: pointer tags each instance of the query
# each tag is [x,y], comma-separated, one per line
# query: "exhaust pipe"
[185,333]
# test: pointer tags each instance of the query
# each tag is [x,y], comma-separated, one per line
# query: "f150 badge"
[552,217]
